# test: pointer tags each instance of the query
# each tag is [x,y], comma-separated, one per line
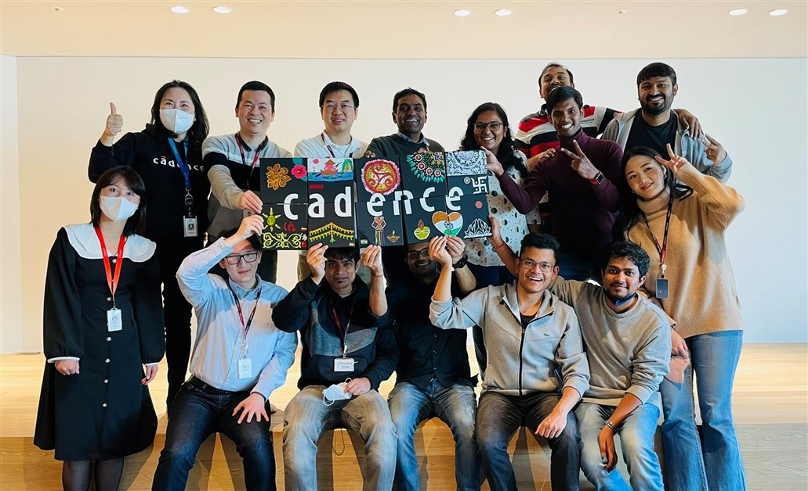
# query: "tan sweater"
[702,294]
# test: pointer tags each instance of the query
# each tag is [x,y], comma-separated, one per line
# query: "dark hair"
[199,130]
[342,253]
[253,239]
[629,213]
[630,251]
[336,87]
[554,64]
[256,85]
[657,69]
[406,92]
[562,94]
[506,153]
[540,241]
[137,222]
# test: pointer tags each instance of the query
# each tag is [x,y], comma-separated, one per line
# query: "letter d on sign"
[345,199]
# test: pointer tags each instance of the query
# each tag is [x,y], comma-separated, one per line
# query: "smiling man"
[529,335]
[233,163]
[658,125]
[580,180]
[409,114]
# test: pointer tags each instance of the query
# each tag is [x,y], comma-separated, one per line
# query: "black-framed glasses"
[493,126]
[530,264]
[414,254]
[249,257]
[344,107]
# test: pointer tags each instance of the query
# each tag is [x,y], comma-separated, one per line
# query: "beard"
[656,110]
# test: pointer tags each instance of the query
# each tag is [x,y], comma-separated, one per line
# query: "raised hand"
[493,164]
[496,236]
[250,201]
[715,151]
[316,261]
[580,162]
[540,158]
[113,127]
[372,259]
[675,163]
[456,248]
[438,252]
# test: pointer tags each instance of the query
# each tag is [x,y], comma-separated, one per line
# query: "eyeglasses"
[493,126]
[249,257]
[529,264]
[331,107]
[415,254]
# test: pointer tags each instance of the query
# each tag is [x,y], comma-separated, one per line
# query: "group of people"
[604,291]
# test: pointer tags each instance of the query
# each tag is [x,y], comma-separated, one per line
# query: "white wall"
[755,107]
[11,319]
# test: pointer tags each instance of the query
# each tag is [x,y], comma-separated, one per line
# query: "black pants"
[176,310]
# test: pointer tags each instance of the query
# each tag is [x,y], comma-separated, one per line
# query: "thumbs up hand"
[114,125]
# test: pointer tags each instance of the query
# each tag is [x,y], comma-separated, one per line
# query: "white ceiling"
[404,29]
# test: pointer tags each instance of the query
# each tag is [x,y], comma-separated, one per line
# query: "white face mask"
[176,120]
[117,208]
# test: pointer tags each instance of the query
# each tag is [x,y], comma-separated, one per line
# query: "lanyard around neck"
[663,249]
[257,151]
[347,152]
[112,282]
[343,333]
[186,172]
[245,325]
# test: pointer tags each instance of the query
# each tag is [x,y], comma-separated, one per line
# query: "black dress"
[104,411]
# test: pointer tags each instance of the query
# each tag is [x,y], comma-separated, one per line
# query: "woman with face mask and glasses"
[168,155]
[103,337]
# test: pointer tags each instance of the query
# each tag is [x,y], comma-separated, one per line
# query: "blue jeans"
[714,461]
[637,439]
[457,407]
[195,415]
[498,418]
[305,419]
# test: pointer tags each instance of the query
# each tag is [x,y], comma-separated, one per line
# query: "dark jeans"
[176,310]
[498,418]
[199,411]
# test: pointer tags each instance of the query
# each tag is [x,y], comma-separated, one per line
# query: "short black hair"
[657,69]
[554,64]
[336,87]
[630,251]
[135,224]
[342,253]
[256,85]
[540,241]
[562,94]
[406,92]
[253,239]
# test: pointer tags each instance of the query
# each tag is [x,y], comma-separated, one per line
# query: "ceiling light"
[462,13]
[221,9]
[736,12]
[57,9]
[621,12]
[503,12]
[179,9]
[778,12]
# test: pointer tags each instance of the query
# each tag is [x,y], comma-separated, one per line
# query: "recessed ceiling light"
[503,12]
[462,13]
[179,9]
[58,9]
[736,12]
[778,12]
[621,12]
[221,9]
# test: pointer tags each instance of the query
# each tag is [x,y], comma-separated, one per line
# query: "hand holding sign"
[438,252]
[493,163]
[250,201]
[372,259]
[316,261]
[113,127]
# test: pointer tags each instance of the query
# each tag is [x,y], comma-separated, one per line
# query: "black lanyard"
[331,151]
[245,326]
[343,334]
[663,249]
[257,151]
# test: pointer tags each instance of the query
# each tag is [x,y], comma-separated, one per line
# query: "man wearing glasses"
[433,378]
[239,358]
[537,370]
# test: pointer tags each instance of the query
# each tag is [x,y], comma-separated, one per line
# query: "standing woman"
[102,322]
[168,155]
[681,225]
[488,129]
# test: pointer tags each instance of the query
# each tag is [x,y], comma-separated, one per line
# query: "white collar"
[84,240]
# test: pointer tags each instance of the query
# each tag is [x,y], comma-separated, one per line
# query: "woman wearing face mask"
[103,337]
[679,216]
[168,155]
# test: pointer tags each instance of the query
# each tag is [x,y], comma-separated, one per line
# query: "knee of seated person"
[179,454]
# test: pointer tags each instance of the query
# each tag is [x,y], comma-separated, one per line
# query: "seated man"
[348,340]
[433,378]
[529,334]
[628,344]
[239,358]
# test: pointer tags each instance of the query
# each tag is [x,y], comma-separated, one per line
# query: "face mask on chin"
[176,120]
[117,208]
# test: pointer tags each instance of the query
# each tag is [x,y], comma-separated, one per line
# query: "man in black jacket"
[349,348]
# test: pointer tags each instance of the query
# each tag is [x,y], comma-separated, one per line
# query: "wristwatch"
[461,263]
[597,180]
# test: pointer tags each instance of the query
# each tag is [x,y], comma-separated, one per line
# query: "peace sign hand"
[581,163]
[715,151]
[675,163]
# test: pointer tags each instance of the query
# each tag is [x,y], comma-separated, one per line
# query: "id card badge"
[114,322]
[244,368]
[189,226]
[343,364]
[662,288]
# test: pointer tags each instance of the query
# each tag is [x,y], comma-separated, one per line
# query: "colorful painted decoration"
[422,231]
[282,181]
[428,167]
[330,169]
[447,223]
[380,176]
[284,226]
[466,163]
[277,177]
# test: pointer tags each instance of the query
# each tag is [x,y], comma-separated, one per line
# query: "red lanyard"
[111,282]
[257,152]
[663,250]
[331,151]
[246,326]
[343,334]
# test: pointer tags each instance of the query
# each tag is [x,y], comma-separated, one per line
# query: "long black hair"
[137,222]
[630,213]
[199,130]
[505,154]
